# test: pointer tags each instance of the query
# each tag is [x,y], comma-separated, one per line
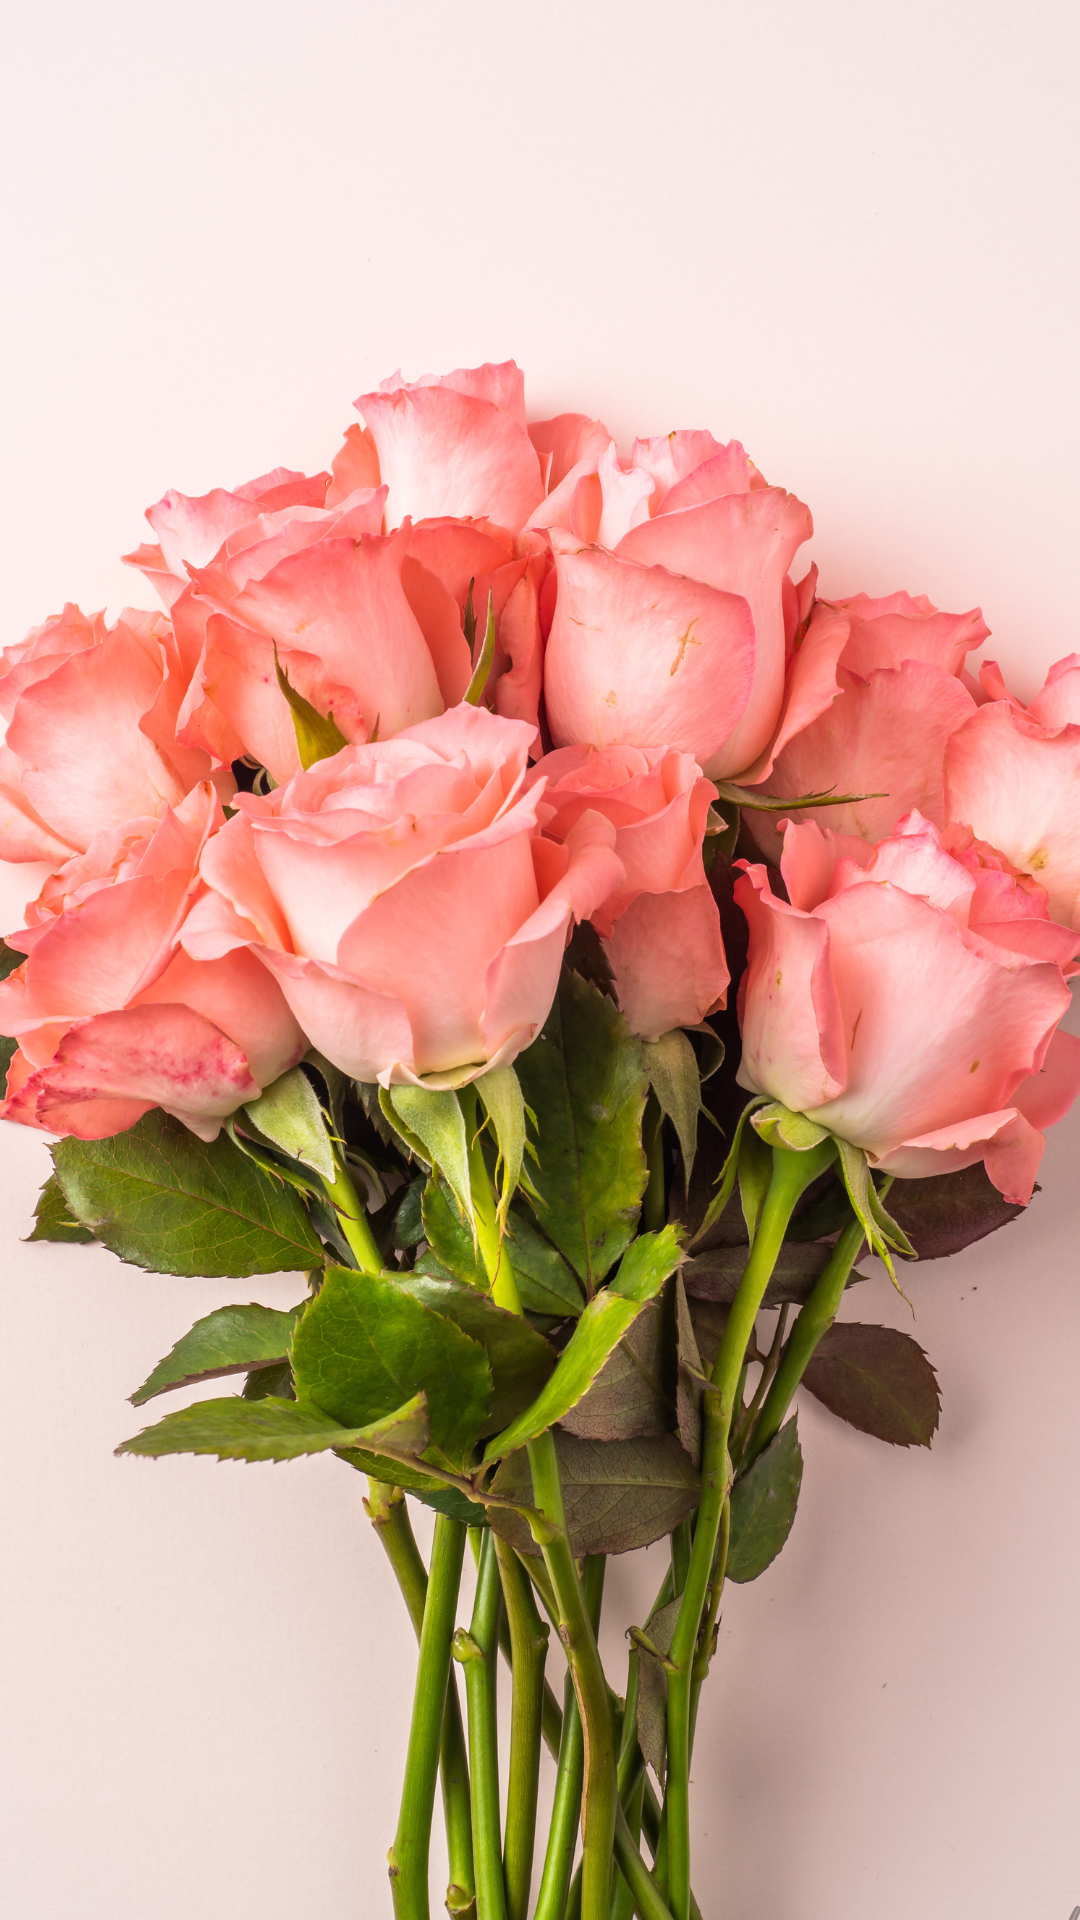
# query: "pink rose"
[673,606]
[91,733]
[908,999]
[456,444]
[191,528]
[403,896]
[1012,774]
[893,687]
[111,1020]
[660,928]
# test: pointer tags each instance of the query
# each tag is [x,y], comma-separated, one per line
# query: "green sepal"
[449,1238]
[503,1102]
[272,1429]
[755,1173]
[474,692]
[432,1125]
[290,1115]
[728,1172]
[883,1236]
[779,1126]
[768,803]
[317,738]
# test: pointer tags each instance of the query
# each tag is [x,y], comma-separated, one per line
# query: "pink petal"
[1018,786]
[356,465]
[241,998]
[358,1028]
[439,621]
[885,633]
[810,687]
[667,955]
[445,452]
[792,1027]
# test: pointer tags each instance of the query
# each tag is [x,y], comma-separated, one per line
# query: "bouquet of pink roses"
[495,887]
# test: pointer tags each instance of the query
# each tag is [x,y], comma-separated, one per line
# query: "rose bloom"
[899,688]
[1012,774]
[908,999]
[660,928]
[402,895]
[674,615]
[111,1020]
[91,734]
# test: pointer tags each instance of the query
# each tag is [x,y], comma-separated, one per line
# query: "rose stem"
[390,1517]
[409,1853]
[654,1204]
[478,1650]
[815,1320]
[566,1810]
[622,1900]
[792,1173]
[352,1216]
[528,1644]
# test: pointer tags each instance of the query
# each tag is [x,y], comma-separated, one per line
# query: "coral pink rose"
[91,742]
[908,999]
[1012,774]
[455,443]
[893,687]
[403,896]
[661,928]
[191,528]
[672,613]
[111,1020]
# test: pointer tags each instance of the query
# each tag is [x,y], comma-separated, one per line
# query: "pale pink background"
[846,233]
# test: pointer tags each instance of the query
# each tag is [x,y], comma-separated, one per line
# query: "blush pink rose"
[110,1018]
[660,928]
[892,687]
[673,603]
[191,528]
[909,1001]
[453,443]
[90,742]
[404,898]
[1012,774]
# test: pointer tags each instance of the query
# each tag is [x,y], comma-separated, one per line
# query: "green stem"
[644,1893]
[490,1239]
[622,1900]
[566,1807]
[390,1517]
[682,1539]
[352,1217]
[479,1652]
[654,1203]
[576,1631]
[792,1173]
[409,1854]
[815,1320]
[528,1648]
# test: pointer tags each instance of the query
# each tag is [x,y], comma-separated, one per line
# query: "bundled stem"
[352,1217]
[814,1320]
[792,1173]
[528,1652]
[408,1857]
[478,1650]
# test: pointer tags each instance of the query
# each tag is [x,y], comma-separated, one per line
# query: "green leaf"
[584,1080]
[521,1360]
[230,1340]
[365,1345]
[652,1689]
[290,1115]
[449,1238]
[267,1381]
[409,1220]
[474,692]
[316,738]
[53,1219]
[394,1473]
[690,1376]
[270,1429]
[763,1503]
[599,1330]
[163,1199]
[618,1494]
[501,1096]
[716,1275]
[877,1379]
[546,1284]
[9,959]
[672,1067]
[628,1399]
[432,1125]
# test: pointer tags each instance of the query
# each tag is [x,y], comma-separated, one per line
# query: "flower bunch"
[379,910]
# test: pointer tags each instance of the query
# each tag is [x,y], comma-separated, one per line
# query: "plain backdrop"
[846,233]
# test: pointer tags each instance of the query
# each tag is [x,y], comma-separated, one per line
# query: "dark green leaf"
[271,1429]
[950,1210]
[618,1494]
[583,1078]
[408,1221]
[8,1050]
[546,1284]
[877,1379]
[763,1503]
[652,1689]
[716,1275]
[53,1219]
[365,1345]
[9,959]
[449,1238]
[449,1500]
[627,1400]
[230,1340]
[599,1330]
[265,1381]
[163,1199]
[672,1067]
[690,1384]
[521,1360]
